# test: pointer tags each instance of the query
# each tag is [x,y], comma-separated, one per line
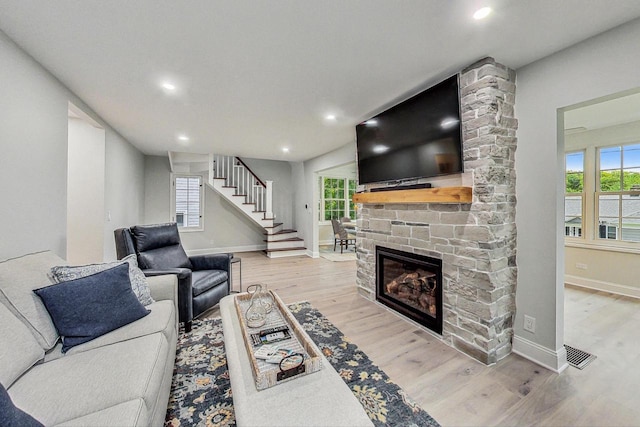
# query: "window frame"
[618,241]
[570,230]
[349,206]
[174,214]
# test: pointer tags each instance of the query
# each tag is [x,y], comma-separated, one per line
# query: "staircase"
[233,180]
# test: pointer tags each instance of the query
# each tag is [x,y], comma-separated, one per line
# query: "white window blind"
[188,201]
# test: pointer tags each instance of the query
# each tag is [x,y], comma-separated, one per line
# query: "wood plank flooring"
[455,389]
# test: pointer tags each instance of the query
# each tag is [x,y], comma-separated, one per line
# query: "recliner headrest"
[149,237]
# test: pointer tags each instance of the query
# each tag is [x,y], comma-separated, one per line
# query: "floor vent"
[578,358]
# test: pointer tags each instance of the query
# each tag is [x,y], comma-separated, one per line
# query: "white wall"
[124,188]
[599,66]
[305,177]
[225,228]
[157,187]
[33,160]
[280,173]
[85,192]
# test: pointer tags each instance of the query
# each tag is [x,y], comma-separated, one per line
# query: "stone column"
[481,297]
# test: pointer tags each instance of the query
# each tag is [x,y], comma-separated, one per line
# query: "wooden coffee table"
[318,399]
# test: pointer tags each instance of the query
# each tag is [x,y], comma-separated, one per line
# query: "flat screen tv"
[418,138]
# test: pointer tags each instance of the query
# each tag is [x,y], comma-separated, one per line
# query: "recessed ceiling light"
[183,138]
[331,117]
[285,149]
[168,86]
[482,13]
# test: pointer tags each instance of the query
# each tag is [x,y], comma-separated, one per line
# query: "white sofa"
[122,378]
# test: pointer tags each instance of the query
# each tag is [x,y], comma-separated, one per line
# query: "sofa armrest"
[211,262]
[164,287]
[185,292]
[180,272]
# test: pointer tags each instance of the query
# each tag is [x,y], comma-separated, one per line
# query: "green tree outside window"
[337,194]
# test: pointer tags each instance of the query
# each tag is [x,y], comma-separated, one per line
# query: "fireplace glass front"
[410,284]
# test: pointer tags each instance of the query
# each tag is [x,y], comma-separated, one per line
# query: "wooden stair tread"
[292,239]
[285,249]
[275,224]
[286,231]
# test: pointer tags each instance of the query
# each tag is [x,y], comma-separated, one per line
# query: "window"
[337,194]
[574,194]
[618,191]
[187,202]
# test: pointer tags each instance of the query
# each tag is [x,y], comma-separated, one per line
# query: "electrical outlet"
[530,324]
[581,266]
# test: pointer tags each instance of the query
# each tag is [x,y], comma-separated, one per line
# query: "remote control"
[265,332]
[265,352]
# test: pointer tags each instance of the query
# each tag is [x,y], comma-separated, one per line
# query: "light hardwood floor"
[455,389]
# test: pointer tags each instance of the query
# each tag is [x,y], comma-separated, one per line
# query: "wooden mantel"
[421,195]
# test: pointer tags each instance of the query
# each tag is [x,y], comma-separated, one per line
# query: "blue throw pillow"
[86,308]
[13,416]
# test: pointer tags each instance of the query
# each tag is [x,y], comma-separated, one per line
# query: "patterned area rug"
[201,390]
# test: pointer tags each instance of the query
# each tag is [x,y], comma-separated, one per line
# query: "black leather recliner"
[203,280]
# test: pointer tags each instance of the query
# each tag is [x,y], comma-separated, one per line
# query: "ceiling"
[613,111]
[253,77]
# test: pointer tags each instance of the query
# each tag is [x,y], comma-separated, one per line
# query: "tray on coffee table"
[269,374]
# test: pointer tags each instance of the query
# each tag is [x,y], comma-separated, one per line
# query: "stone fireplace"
[475,242]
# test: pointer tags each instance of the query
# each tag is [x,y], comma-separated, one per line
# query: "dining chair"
[341,235]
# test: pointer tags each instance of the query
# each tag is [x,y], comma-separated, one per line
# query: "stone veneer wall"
[477,241]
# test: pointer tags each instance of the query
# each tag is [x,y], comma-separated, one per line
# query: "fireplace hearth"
[411,285]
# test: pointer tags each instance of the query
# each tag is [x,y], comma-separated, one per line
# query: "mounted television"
[418,138]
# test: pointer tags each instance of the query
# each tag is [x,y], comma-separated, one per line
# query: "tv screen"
[418,138]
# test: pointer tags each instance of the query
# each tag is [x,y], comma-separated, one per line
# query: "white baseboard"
[248,248]
[313,254]
[555,361]
[598,285]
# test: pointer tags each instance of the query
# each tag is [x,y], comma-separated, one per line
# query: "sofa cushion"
[13,416]
[202,281]
[86,308]
[161,319]
[131,413]
[18,278]
[19,349]
[76,385]
[138,280]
